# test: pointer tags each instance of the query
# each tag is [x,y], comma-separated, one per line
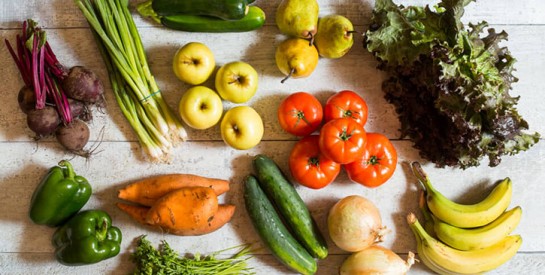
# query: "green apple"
[241,127]
[236,81]
[193,63]
[200,107]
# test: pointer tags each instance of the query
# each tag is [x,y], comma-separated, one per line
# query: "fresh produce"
[346,103]
[59,196]
[87,238]
[241,127]
[378,163]
[253,20]
[355,224]
[295,58]
[343,140]
[309,167]
[224,9]
[236,81]
[300,114]
[193,63]
[84,85]
[135,89]
[290,206]
[43,121]
[450,85]
[74,137]
[148,190]
[298,18]
[335,36]
[480,237]
[165,260]
[444,259]
[465,215]
[272,230]
[200,107]
[376,260]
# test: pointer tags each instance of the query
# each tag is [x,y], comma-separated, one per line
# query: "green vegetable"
[59,196]
[87,238]
[165,260]
[273,232]
[135,89]
[450,85]
[195,23]
[290,206]
[222,9]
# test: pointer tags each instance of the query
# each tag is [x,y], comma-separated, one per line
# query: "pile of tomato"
[316,160]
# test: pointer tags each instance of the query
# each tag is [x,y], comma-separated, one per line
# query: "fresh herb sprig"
[165,260]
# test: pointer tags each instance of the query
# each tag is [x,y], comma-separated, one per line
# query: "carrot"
[138,213]
[184,210]
[149,190]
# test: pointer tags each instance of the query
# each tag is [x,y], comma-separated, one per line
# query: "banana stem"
[422,177]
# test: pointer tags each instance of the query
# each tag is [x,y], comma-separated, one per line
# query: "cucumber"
[195,23]
[273,232]
[224,9]
[290,206]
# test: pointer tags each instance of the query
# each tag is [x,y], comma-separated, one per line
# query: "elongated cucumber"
[290,206]
[273,232]
[195,23]
[224,9]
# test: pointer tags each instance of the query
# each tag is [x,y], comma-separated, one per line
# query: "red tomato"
[309,166]
[346,104]
[343,140]
[377,164]
[300,114]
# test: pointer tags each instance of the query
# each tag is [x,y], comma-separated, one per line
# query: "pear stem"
[288,76]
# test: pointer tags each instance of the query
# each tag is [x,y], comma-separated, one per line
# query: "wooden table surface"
[25,248]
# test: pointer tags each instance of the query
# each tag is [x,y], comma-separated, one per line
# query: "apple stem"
[288,76]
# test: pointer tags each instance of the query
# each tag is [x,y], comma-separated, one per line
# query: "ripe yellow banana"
[465,215]
[444,259]
[480,237]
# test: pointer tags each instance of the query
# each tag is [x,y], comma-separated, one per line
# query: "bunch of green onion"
[135,89]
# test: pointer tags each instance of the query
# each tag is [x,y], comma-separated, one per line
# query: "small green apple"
[236,81]
[200,107]
[241,127]
[193,63]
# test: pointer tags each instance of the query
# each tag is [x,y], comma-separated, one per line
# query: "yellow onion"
[354,224]
[376,260]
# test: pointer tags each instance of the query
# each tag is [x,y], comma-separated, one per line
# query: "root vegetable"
[185,211]
[26,99]
[355,223]
[80,110]
[73,136]
[84,85]
[43,121]
[136,212]
[376,260]
[147,191]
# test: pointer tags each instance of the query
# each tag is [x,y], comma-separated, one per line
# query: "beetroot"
[84,85]
[43,121]
[74,136]
[80,110]
[26,99]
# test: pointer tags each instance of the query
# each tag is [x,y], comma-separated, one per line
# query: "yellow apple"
[200,107]
[193,63]
[236,81]
[241,127]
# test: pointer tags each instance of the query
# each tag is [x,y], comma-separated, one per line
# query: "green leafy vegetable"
[450,85]
[165,260]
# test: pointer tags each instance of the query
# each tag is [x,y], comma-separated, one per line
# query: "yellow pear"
[298,18]
[296,58]
[335,36]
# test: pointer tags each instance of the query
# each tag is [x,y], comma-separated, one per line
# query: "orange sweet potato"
[137,212]
[147,191]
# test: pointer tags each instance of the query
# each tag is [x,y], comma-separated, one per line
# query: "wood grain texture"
[25,248]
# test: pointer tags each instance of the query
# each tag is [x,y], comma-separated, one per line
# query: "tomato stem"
[374,160]
[314,161]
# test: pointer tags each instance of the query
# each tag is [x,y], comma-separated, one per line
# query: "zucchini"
[195,23]
[224,9]
[290,206]
[273,232]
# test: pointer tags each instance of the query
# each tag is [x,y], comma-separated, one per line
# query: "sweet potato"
[137,212]
[148,191]
[184,210]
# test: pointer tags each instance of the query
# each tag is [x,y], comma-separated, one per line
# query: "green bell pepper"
[87,238]
[59,196]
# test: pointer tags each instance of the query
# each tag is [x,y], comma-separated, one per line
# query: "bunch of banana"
[462,238]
